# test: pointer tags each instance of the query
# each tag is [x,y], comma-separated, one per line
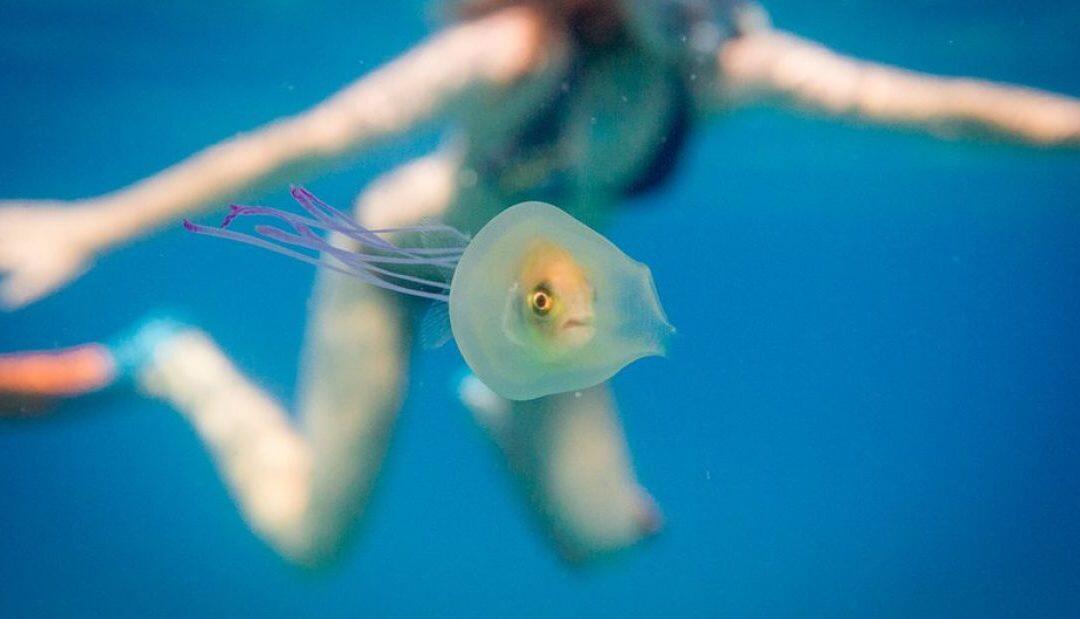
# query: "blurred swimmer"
[577,102]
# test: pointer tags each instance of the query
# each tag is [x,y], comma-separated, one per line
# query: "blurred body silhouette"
[578,102]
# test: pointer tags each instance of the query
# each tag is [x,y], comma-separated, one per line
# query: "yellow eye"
[541,302]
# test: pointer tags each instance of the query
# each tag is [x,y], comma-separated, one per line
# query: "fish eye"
[541,301]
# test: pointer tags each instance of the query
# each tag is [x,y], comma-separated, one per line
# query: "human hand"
[43,245]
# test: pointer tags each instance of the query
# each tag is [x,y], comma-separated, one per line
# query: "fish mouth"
[577,331]
[577,323]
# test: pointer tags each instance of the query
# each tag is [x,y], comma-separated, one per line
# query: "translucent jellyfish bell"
[538,302]
[541,304]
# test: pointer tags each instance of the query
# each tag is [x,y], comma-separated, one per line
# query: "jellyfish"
[537,302]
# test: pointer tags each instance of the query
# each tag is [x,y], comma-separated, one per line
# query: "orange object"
[62,373]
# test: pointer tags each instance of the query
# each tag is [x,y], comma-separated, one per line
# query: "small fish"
[538,303]
[541,304]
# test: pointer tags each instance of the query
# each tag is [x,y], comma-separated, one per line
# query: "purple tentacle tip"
[190,227]
[234,210]
[299,193]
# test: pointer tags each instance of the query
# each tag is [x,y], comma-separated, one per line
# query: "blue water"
[873,409]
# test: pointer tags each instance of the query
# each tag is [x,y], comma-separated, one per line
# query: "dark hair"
[592,22]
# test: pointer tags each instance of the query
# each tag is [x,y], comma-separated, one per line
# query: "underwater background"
[872,409]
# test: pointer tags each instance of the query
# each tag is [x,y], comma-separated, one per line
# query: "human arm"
[770,65]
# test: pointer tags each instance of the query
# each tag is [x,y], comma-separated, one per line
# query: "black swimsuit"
[542,157]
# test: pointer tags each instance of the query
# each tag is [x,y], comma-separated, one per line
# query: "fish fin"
[435,326]
[436,235]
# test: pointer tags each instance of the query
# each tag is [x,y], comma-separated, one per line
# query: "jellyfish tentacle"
[338,221]
[312,204]
[351,259]
[364,263]
[244,210]
[257,242]
[335,220]
[361,274]
[306,238]
[239,210]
